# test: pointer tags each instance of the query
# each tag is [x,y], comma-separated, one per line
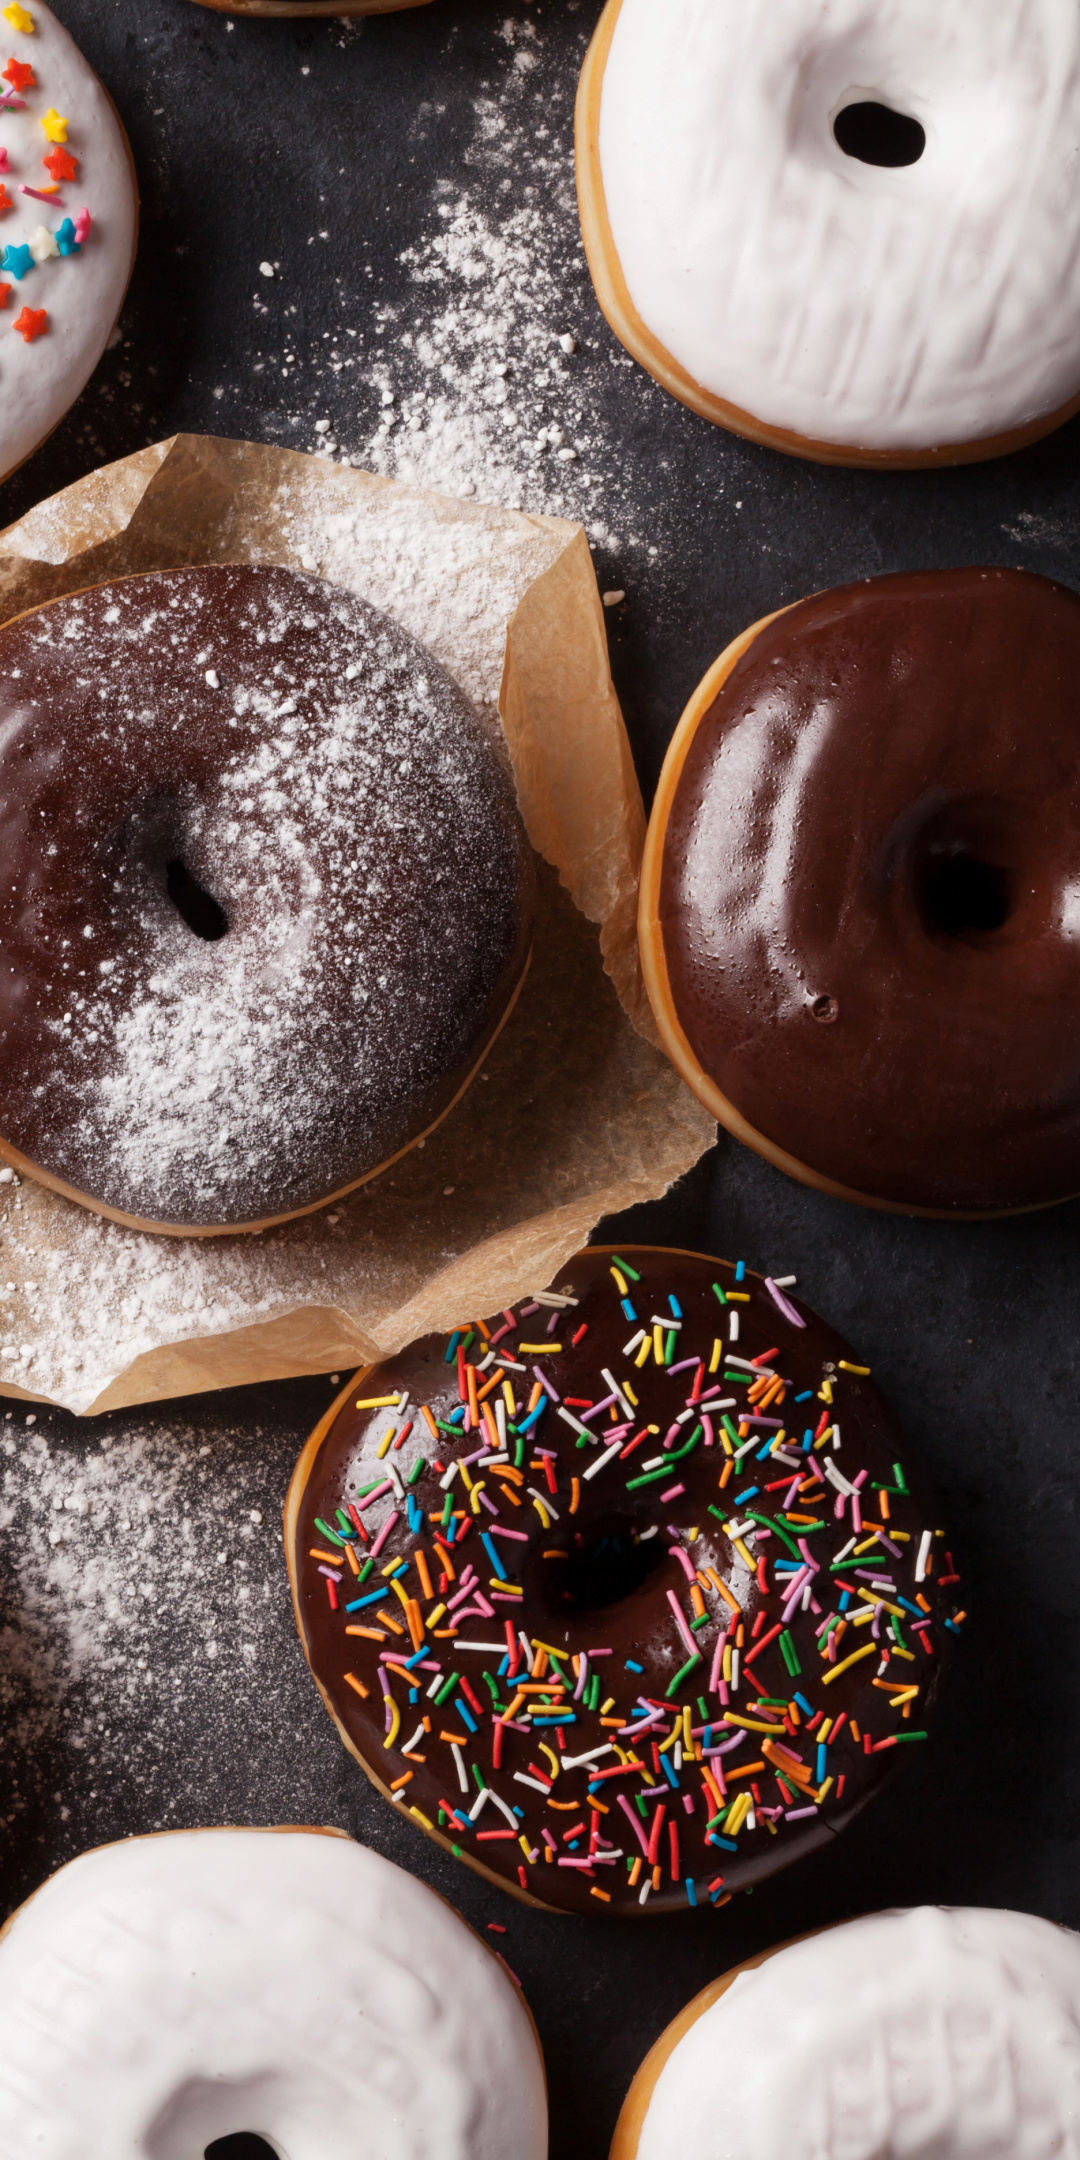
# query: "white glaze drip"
[924,2035]
[896,309]
[81,294]
[160,1994]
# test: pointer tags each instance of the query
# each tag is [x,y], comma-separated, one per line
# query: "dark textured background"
[971,1329]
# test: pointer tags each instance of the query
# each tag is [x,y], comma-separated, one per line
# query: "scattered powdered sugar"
[146,1636]
[481,388]
[494,275]
[485,359]
[453,581]
[328,789]
[88,1298]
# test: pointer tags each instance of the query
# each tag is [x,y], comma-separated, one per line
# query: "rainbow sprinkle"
[595,1679]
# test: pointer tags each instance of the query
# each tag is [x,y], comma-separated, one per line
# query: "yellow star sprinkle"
[55,125]
[18,17]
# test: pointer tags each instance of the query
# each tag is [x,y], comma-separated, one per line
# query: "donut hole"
[963,897]
[200,2120]
[198,908]
[603,1567]
[241,2145]
[874,134]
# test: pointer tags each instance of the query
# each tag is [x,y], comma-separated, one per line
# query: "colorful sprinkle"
[803,1607]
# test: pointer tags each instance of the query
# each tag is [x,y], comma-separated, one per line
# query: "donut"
[937,2031]
[858,913]
[68,222]
[283,907]
[708,1663]
[847,232]
[287,1987]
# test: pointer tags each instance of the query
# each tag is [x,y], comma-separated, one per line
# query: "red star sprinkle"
[5,199]
[32,323]
[61,164]
[19,75]
[5,295]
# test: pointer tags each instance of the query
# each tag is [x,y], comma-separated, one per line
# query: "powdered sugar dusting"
[514,1178]
[91,1298]
[327,793]
[481,388]
[143,1597]
[452,581]
[483,355]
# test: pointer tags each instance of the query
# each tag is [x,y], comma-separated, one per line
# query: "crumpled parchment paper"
[577,1113]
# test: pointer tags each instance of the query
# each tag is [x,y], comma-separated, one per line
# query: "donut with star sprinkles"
[630,1595]
[68,225]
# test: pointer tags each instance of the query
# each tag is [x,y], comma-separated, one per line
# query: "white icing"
[897,309]
[160,1994]
[924,2035]
[81,293]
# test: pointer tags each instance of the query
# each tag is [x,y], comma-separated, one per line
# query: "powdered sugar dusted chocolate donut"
[847,231]
[162,1994]
[266,894]
[630,1595]
[68,214]
[944,2032]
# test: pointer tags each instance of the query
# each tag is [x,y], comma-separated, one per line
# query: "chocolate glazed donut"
[631,1595]
[860,905]
[265,898]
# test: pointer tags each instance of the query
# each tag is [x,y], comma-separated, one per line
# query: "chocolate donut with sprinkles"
[628,1596]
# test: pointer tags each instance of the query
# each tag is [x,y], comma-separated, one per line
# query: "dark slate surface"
[971,1329]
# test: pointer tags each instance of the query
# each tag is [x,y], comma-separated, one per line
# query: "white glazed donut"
[159,1995]
[855,312]
[934,2034]
[68,216]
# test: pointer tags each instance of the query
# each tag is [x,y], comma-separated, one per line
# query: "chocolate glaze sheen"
[598,1577]
[870,889]
[266,892]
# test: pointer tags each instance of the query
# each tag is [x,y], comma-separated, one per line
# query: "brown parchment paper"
[577,1113]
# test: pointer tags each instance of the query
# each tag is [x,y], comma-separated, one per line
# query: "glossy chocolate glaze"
[870,892]
[265,894]
[582,1596]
